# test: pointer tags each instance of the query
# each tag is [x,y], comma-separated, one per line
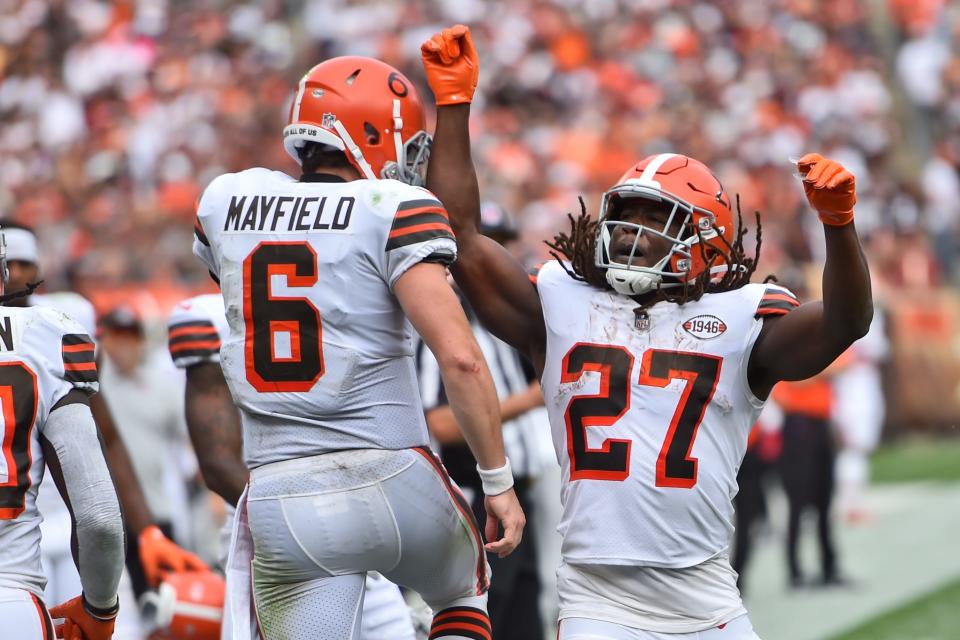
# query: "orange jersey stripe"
[451,613]
[196,344]
[415,212]
[772,312]
[197,331]
[74,348]
[432,226]
[80,366]
[780,297]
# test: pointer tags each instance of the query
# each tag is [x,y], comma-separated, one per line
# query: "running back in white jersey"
[319,355]
[650,413]
[43,355]
[196,328]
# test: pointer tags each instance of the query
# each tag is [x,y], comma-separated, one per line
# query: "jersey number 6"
[283,347]
[675,467]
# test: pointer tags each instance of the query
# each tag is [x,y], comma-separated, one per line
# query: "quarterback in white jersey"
[656,356]
[196,328]
[47,373]
[319,277]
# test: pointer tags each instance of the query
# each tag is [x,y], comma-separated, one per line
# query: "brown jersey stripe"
[775,304]
[205,345]
[419,204]
[206,329]
[420,236]
[71,339]
[420,218]
[428,226]
[463,614]
[79,358]
[80,376]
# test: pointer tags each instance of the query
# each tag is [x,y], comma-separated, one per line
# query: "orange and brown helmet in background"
[701,225]
[368,110]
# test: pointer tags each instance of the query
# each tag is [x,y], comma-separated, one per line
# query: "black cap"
[496,222]
[122,318]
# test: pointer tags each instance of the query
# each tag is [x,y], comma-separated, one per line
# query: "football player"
[319,276]
[656,355]
[157,552]
[47,375]
[197,328]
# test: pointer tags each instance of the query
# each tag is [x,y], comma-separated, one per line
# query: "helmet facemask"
[416,155]
[673,268]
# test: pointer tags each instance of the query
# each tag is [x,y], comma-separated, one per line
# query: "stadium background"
[116,114]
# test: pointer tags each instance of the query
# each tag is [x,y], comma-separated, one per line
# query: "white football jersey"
[650,413]
[73,304]
[319,353]
[43,355]
[195,330]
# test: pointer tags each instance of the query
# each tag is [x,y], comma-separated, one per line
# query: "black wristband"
[103,615]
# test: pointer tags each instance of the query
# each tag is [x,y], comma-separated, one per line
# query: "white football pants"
[24,616]
[586,629]
[319,524]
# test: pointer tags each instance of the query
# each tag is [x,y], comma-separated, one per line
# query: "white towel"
[239,617]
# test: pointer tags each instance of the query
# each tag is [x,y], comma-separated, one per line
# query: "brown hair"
[578,248]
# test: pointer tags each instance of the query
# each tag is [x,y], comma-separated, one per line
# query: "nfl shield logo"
[641,319]
[328,120]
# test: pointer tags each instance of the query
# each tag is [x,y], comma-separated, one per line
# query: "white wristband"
[496,481]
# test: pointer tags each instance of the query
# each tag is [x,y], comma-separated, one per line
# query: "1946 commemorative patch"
[705,327]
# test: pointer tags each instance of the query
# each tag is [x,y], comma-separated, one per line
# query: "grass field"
[917,460]
[934,616]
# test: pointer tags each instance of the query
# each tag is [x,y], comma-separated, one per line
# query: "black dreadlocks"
[578,248]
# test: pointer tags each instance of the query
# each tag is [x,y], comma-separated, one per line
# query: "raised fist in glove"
[830,188]
[81,621]
[452,66]
[159,554]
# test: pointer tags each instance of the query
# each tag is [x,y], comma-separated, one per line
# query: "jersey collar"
[320,177]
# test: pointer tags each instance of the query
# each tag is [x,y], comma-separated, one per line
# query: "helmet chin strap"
[631,282]
[354,150]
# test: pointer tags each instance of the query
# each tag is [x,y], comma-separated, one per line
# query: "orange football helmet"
[189,605]
[368,110]
[699,204]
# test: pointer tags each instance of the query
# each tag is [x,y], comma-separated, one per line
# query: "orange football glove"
[83,622]
[452,65]
[830,189]
[158,555]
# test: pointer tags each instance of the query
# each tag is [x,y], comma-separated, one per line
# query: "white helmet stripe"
[296,104]
[650,172]
[354,150]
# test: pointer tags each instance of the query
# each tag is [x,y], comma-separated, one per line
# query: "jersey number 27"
[675,467]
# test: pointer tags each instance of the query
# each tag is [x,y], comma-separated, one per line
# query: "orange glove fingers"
[842,177]
[807,161]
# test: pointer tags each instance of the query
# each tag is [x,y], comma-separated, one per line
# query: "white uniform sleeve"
[77,363]
[206,216]
[419,232]
[72,433]
[193,337]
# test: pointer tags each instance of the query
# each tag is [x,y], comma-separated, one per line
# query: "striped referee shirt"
[510,377]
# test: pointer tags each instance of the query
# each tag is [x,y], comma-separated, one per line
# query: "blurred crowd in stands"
[116,114]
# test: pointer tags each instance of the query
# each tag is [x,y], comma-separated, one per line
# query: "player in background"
[47,375]
[157,552]
[656,357]
[197,326]
[319,276]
